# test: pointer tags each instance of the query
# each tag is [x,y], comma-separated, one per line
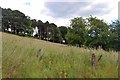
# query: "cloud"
[27,3]
[71,9]
[64,9]
[61,11]
[68,0]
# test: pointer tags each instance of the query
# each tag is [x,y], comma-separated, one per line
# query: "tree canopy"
[88,32]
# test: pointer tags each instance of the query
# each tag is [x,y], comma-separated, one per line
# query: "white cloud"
[113,7]
[36,9]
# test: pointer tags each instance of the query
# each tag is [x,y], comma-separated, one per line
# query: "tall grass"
[59,61]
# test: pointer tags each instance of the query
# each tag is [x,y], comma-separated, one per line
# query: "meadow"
[19,60]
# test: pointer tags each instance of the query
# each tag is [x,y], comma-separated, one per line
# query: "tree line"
[88,32]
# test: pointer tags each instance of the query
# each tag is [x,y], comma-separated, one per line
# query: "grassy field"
[58,61]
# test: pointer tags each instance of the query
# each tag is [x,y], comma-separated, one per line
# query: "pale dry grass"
[20,61]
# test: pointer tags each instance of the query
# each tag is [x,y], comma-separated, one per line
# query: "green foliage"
[93,32]
[22,25]
[115,29]
[72,38]
[77,31]
[89,32]
[63,30]
[55,33]
[101,32]
[17,21]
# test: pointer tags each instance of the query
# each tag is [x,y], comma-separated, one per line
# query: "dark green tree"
[63,30]
[115,29]
[76,34]
[55,33]
[99,34]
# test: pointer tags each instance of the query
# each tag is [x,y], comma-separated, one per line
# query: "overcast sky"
[61,11]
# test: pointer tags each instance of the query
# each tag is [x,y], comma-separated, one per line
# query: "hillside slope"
[32,58]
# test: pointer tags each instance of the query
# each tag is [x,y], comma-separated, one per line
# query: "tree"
[46,27]
[40,26]
[115,29]
[72,38]
[18,18]
[17,22]
[63,31]
[99,34]
[6,13]
[77,30]
[55,33]
[28,26]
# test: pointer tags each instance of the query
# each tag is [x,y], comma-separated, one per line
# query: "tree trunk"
[14,30]
[17,31]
